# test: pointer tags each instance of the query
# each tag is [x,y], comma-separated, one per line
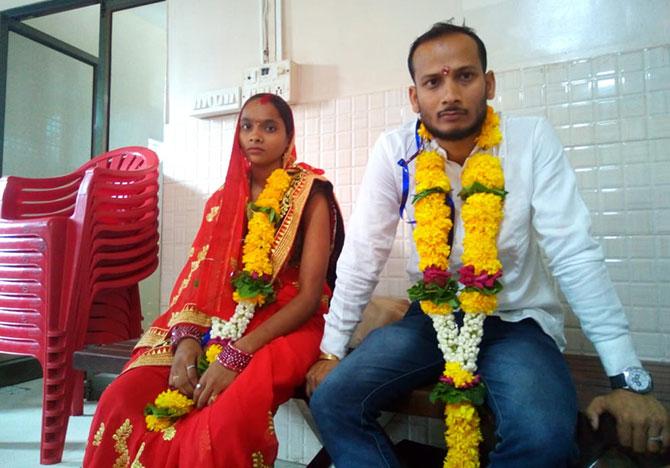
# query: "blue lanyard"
[403,163]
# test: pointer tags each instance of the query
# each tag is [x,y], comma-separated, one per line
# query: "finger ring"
[175,377]
[192,366]
[657,438]
[198,385]
[212,399]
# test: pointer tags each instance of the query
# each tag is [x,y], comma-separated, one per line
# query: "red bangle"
[179,332]
[234,359]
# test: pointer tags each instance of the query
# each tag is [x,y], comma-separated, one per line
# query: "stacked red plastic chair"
[72,250]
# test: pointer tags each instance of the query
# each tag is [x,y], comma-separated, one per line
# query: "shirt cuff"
[334,341]
[617,354]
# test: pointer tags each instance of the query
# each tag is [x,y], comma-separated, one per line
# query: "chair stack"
[72,250]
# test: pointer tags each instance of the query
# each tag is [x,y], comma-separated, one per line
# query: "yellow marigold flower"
[214,350]
[433,179]
[423,132]
[277,183]
[460,377]
[256,300]
[429,160]
[462,436]
[432,232]
[430,172]
[429,307]
[256,249]
[474,302]
[260,235]
[490,135]
[482,214]
[156,424]
[485,169]
[175,400]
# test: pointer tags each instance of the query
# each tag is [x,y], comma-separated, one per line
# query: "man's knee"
[549,439]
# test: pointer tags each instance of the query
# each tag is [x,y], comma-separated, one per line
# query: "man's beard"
[460,134]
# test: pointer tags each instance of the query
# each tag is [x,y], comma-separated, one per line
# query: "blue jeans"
[529,390]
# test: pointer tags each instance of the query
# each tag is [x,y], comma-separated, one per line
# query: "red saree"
[237,429]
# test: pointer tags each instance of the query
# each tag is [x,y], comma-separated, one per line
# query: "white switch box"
[277,78]
[218,102]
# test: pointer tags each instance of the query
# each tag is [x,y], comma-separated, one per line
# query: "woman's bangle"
[179,332]
[234,359]
[328,357]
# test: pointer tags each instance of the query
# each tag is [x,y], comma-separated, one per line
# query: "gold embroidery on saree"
[136,462]
[301,186]
[271,423]
[161,356]
[169,433]
[189,314]
[195,264]
[258,461]
[121,446]
[154,336]
[213,213]
[97,438]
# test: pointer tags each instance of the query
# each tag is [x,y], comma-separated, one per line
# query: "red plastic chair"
[72,250]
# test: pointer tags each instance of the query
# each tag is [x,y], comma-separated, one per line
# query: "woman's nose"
[255,138]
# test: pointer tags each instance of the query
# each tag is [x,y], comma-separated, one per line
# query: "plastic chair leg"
[78,385]
[56,403]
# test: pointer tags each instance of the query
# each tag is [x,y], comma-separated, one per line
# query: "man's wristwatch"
[634,379]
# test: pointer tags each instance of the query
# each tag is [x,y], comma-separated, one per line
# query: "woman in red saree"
[261,362]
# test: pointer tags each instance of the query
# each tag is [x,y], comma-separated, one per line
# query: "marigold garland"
[439,294]
[252,288]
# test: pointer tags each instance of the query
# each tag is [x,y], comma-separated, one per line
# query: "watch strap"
[618,381]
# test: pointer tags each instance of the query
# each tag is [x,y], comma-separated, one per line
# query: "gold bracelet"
[328,357]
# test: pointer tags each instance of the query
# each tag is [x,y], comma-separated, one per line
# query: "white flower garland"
[460,347]
[233,328]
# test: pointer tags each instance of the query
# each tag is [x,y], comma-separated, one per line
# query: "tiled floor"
[20,423]
[20,428]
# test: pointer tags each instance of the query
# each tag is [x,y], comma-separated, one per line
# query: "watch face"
[638,379]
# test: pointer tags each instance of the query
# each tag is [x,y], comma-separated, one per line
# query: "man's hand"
[642,421]
[184,372]
[317,373]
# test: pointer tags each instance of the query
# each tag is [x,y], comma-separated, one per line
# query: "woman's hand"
[214,381]
[184,370]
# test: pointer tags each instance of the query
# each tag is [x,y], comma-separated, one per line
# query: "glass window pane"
[139,60]
[79,28]
[48,111]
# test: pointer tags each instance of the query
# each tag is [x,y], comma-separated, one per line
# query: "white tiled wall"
[612,114]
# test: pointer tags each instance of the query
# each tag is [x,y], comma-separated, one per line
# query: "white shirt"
[543,213]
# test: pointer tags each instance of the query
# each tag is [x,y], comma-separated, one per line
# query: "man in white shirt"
[529,388]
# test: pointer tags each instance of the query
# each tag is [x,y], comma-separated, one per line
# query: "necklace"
[474,293]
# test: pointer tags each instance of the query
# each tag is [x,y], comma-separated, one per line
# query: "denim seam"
[493,403]
[379,388]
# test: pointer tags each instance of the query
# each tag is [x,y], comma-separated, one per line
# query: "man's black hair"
[446,29]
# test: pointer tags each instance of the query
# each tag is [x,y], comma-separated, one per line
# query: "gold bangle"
[328,357]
